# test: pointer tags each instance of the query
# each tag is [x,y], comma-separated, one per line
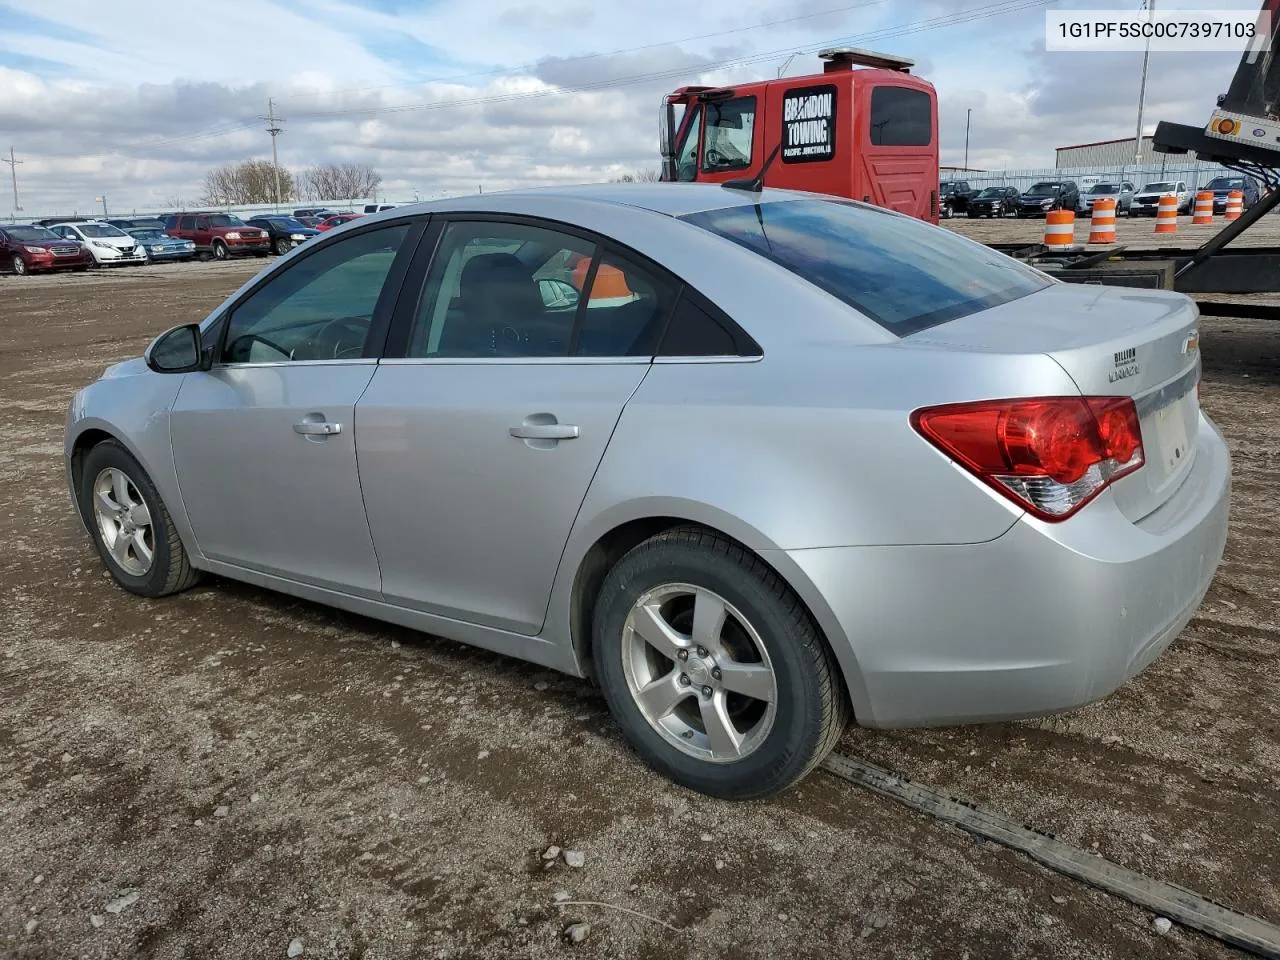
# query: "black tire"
[221,251]
[170,570]
[282,247]
[812,705]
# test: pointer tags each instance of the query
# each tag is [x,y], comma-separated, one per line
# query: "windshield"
[992,192]
[100,230]
[1103,188]
[225,220]
[287,223]
[1159,187]
[32,234]
[1044,189]
[147,233]
[1226,183]
[902,273]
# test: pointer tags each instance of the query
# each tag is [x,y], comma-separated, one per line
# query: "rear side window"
[901,117]
[694,332]
[902,273]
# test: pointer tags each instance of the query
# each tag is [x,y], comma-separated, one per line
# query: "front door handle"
[545,431]
[314,428]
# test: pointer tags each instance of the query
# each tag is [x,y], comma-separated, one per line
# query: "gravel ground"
[226,772]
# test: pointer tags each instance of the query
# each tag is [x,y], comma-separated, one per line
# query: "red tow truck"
[869,134]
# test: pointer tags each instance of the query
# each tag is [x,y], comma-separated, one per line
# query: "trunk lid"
[1111,341]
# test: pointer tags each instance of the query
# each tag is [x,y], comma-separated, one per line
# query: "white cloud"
[138,99]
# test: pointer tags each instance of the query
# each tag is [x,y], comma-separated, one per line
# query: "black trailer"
[1243,135]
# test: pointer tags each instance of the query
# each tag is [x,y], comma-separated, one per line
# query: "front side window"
[687,160]
[521,291]
[901,117]
[320,308]
[726,137]
[902,273]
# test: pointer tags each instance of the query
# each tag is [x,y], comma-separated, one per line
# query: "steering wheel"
[328,343]
[713,158]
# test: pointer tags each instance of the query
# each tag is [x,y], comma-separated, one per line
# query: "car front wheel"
[713,668]
[220,251]
[130,525]
[19,265]
[282,247]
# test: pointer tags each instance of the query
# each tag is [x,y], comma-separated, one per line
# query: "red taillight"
[1050,455]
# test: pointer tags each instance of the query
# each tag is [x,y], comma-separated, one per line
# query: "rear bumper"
[1045,618]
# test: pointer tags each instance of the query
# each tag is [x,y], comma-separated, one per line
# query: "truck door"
[896,129]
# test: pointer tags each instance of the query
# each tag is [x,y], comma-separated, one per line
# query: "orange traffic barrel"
[1060,229]
[1102,224]
[1235,204]
[1204,207]
[609,281]
[1167,214]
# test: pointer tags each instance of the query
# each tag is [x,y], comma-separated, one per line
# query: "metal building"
[1106,153]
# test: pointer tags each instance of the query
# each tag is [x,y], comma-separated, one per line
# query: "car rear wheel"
[130,525]
[19,265]
[220,251]
[713,668]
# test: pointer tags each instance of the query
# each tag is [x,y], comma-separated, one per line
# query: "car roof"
[671,199]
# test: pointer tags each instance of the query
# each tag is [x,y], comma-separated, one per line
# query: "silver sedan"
[754,462]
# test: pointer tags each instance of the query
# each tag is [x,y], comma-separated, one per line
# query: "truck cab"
[865,128]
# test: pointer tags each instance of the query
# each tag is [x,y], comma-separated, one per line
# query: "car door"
[485,423]
[264,442]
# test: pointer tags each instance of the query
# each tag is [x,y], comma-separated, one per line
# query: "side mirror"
[558,293]
[177,350]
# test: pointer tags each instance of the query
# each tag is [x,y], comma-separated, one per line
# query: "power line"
[273,128]
[13,162]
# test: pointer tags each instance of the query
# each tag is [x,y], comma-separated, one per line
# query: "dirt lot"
[219,773]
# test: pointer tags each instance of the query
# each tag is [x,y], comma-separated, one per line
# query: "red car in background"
[338,220]
[28,248]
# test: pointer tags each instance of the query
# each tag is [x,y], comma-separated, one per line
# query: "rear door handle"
[313,428]
[545,431]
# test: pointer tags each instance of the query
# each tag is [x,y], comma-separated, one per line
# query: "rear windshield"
[903,273]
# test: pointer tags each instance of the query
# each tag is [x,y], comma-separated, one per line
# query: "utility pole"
[1150,6]
[967,117]
[13,172]
[273,128]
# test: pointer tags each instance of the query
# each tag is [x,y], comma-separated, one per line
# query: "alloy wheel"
[19,265]
[699,672]
[124,521]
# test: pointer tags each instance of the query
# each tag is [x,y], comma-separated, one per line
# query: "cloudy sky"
[137,99]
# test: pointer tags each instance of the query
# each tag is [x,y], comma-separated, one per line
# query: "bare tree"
[340,181]
[643,175]
[253,181]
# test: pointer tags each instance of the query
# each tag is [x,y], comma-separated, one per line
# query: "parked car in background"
[285,232]
[159,247]
[1048,195]
[128,224]
[309,221]
[30,248]
[1025,531]
[219,235]
[994,202]
[953,197]
[378,207]
[1121,192]
[318,212]
[338,220]
[110,246]
[1146,202]
[1222,186]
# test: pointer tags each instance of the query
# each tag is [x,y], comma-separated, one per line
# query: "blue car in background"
[159,246]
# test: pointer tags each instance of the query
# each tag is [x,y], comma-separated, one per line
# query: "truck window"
[726,138]
[687,159]
[901,117]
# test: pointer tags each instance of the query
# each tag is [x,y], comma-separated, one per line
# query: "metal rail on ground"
[1165,899]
